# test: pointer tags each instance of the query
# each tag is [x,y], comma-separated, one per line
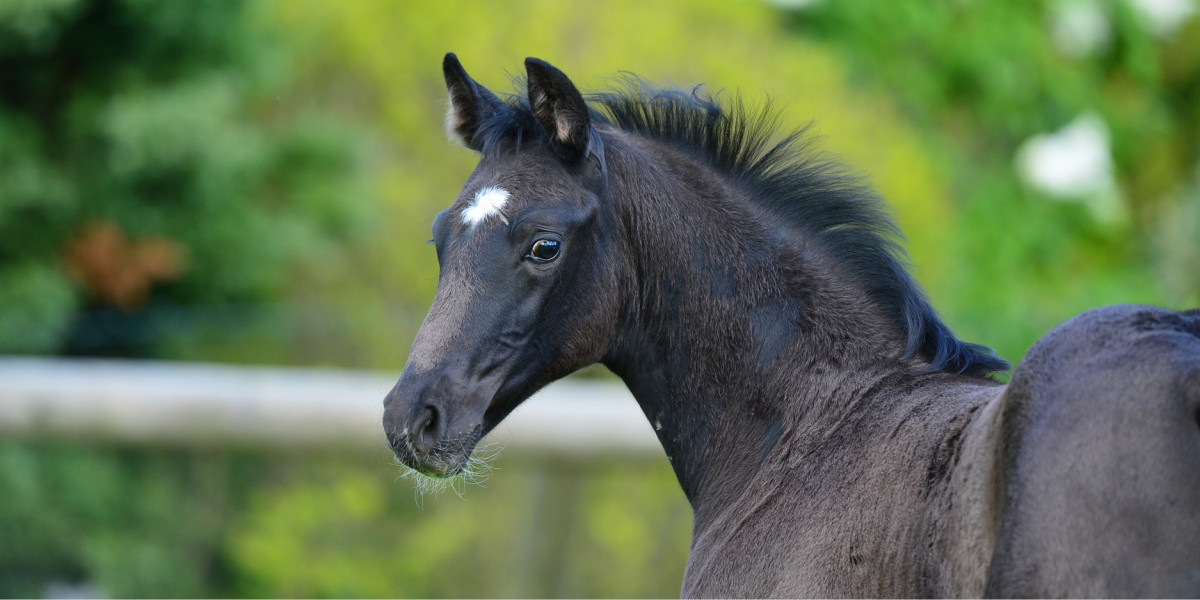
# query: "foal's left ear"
[558,107]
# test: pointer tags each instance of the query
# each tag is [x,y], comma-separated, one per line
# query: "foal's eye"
[544,250]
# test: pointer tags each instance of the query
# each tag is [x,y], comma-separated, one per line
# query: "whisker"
[477,470]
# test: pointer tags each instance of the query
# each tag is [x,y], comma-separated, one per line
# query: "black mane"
[812,192]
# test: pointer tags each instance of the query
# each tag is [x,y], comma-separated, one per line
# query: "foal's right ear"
[470,104]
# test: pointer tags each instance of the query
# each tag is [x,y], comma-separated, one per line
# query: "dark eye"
[544,250]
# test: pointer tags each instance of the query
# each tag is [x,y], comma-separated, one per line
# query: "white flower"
[1073,164]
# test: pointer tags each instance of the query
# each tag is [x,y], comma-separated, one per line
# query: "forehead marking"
[487,202]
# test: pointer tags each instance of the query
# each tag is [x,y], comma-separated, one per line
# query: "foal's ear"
[470,103]
[558,107]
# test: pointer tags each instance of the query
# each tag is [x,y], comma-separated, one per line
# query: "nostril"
[427,428]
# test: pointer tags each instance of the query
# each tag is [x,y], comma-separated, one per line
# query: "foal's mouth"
[437,472]
[447,459]
[453,465]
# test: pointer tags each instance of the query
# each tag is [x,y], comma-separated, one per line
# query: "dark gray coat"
[833,436]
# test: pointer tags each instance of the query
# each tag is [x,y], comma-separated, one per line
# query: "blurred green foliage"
[145,161]
[131,522]
[226,131]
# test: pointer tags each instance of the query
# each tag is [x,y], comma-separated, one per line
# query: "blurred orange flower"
[118,270]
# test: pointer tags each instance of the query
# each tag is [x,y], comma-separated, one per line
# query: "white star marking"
[488,201]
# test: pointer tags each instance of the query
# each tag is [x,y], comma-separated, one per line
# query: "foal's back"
[1101,460]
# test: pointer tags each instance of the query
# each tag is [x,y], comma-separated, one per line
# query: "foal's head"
[522,298]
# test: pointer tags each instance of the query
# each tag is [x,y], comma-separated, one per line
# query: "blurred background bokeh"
[253,182]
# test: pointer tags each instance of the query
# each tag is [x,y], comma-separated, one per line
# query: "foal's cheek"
[593,320]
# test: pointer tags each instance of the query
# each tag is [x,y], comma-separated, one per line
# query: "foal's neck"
[735,335]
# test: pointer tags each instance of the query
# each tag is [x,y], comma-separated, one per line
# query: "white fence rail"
[196,404]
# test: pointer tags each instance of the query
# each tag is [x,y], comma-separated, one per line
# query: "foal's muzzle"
[433,425]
